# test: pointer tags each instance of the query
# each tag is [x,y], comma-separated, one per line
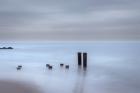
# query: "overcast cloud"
[87,20]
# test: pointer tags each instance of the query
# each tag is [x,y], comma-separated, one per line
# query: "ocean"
[112,67]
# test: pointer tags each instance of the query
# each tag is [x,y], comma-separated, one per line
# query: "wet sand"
[10,86]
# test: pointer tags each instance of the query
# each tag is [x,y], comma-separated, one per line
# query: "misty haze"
[69,46]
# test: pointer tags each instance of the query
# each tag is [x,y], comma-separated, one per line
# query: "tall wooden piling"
[84,60]
[79,58]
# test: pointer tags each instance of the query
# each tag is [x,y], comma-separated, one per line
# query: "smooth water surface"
[112,67]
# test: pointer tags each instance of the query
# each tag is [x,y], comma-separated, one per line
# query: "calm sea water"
[112,67]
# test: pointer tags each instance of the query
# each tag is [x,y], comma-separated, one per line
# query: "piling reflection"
[80,80]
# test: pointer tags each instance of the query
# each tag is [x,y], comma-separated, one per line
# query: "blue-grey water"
[112,67]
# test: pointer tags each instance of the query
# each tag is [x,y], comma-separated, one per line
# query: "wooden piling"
[79,58]
[19,67]
[61,65]
[50,67]
[67,66]
[84,60]
[47,65]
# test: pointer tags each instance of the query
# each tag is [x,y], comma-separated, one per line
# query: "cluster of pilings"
[61,65]
[82,62]
[66,66]
[49,66]
[19,67]
[82,59]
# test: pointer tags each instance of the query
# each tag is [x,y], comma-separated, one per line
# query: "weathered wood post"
[67,66]
[19,67]
[79,58]
[61,65]
[84,60]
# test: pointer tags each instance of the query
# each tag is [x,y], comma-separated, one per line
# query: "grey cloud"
[69,20]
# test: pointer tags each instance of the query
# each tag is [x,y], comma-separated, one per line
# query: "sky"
[69,20]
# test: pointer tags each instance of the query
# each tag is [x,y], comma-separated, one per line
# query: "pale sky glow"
[87,20]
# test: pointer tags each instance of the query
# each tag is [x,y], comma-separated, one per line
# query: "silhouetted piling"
[79,58]
[61,65]
[19,67]
[84,60]
[67,66]
[50,67]
[47,65]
